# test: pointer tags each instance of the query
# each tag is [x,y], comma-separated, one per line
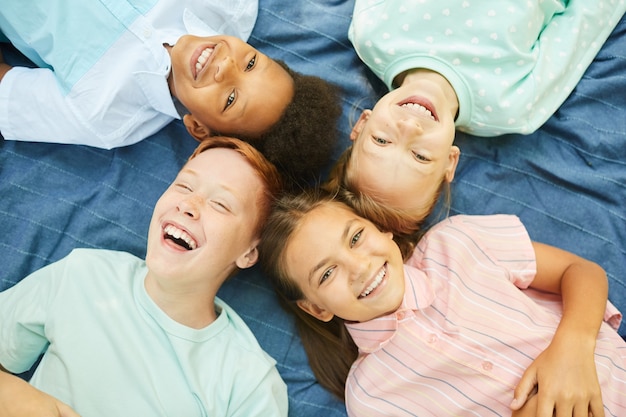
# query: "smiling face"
[228,86]
[204,225]
[402,150]
[344,265]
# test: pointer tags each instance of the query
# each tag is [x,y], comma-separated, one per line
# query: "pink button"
[487,366]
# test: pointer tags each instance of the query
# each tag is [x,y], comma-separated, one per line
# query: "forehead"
[227,169]
[316,237]
[322,225]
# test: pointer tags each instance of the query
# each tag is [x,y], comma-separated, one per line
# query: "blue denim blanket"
[567,181]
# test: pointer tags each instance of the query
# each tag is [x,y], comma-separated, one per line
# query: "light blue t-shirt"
[110,351]
[103,80]
[512,63]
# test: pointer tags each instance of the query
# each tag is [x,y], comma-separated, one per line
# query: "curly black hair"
[302,142]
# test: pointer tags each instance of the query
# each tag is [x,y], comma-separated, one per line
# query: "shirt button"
[487,366]
[147,32]
[400,315]
[432,338]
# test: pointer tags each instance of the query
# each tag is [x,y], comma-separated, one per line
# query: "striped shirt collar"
[375,334]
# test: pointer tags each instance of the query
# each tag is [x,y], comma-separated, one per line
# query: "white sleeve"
[33,108]
[103,112]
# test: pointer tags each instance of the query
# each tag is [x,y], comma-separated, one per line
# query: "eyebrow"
[237,199]
[344,235]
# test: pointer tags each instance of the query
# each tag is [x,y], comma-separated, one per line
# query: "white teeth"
[376,283]
[177,233]
[420,108]
[202,59]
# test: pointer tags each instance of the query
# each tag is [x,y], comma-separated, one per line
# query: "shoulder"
[253,375]
[242,343]
[89,265]
[474,237]
[480,223]
[88,256]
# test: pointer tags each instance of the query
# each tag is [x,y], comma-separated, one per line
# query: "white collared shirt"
[103,80]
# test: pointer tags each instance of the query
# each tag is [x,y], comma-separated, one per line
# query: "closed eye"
[220,206]
[183,187]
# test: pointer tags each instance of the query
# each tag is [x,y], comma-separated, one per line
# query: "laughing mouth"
[203,58]
[377,280]
[179,237]
[421,108]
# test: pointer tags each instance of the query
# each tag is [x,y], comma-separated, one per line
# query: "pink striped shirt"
[465,333]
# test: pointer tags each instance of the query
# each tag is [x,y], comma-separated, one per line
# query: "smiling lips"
[180,237]
[421,106]
[377,280]
[203,58]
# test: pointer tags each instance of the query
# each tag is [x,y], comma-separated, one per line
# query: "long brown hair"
[329,346]
[406,226]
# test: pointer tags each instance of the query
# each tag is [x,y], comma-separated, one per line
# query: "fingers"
[596,407]
[525,389]
[581,408]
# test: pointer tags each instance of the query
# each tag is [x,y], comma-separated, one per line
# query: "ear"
[454,155]
[359,125]
[249,258]
[315,310]
[196,129]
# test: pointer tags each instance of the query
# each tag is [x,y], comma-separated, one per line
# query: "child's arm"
[20,399]
[4,67]
[565,373]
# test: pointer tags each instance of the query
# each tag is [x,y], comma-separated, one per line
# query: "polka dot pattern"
[499,56]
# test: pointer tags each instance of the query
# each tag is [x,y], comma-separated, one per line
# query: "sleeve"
[33,108]
[237,19]
[24,312]
[567,46]
[268,398]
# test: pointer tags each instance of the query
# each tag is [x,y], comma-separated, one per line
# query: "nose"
[190,207]
[358,265]
[410,126]
[225,69]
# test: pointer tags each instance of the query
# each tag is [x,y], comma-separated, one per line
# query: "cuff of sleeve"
[612,315]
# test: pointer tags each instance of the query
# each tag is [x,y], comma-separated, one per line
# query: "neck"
[189,306]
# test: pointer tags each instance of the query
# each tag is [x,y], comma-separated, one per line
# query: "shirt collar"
[152,83]
[372,335]
[156,91]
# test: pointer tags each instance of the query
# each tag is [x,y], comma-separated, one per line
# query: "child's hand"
[566,380]
[20,399]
